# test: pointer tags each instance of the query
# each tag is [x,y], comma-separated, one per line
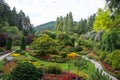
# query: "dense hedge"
[9,43]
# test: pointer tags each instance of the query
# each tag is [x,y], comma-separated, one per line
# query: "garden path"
[3,56]
[98,66]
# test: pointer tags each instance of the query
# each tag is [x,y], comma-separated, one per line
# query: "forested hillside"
[46,26]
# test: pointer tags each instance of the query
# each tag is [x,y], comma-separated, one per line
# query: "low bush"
[53,69]
[24,71]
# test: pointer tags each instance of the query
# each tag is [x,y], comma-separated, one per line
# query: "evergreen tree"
[23,44]
[9,43]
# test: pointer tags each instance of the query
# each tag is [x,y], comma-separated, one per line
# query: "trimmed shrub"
[24,71]
[113,59]
[23,45]
[9,43]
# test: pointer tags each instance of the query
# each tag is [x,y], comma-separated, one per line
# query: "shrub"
[24,71]
[23,45]
[63,54]
[53,69]
[9,43]
[103,55]
[113,59]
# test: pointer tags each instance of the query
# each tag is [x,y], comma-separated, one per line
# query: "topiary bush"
[25,71]
[23,44]
[113,59]
[9,43]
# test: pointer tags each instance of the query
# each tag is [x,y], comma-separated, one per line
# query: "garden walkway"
[98,66]
[3,56]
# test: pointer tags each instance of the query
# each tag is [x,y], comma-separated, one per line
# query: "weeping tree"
[109,40]
[9,43]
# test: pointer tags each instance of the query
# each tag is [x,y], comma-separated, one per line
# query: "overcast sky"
[42,11]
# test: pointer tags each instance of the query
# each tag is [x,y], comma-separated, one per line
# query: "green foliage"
[109,40]
[102,20]
[53,69]
[24,71]
[23,44]
[9,43]
[99,76]
[65,24]
[80,63]
[113,59]
[103,55]
[114,6]
[64,39]
[44,45]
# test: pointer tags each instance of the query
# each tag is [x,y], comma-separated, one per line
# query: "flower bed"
[64,76]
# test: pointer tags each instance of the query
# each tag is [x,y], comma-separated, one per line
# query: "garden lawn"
[65,66]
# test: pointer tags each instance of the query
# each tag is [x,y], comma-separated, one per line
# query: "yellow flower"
[36,64]
[73,54]
[15,54]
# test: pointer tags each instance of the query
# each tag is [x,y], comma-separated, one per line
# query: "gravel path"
[3,56]
[98,66]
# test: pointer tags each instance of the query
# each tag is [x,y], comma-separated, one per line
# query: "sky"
[43,11]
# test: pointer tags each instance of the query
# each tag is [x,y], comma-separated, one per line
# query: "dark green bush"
[113,59]
[53,69]
[25,71]
[63,54]
[9,43]
[23,44]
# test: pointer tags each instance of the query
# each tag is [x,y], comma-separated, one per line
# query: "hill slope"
[47,26]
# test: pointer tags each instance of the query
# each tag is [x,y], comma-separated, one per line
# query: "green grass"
[65,66]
